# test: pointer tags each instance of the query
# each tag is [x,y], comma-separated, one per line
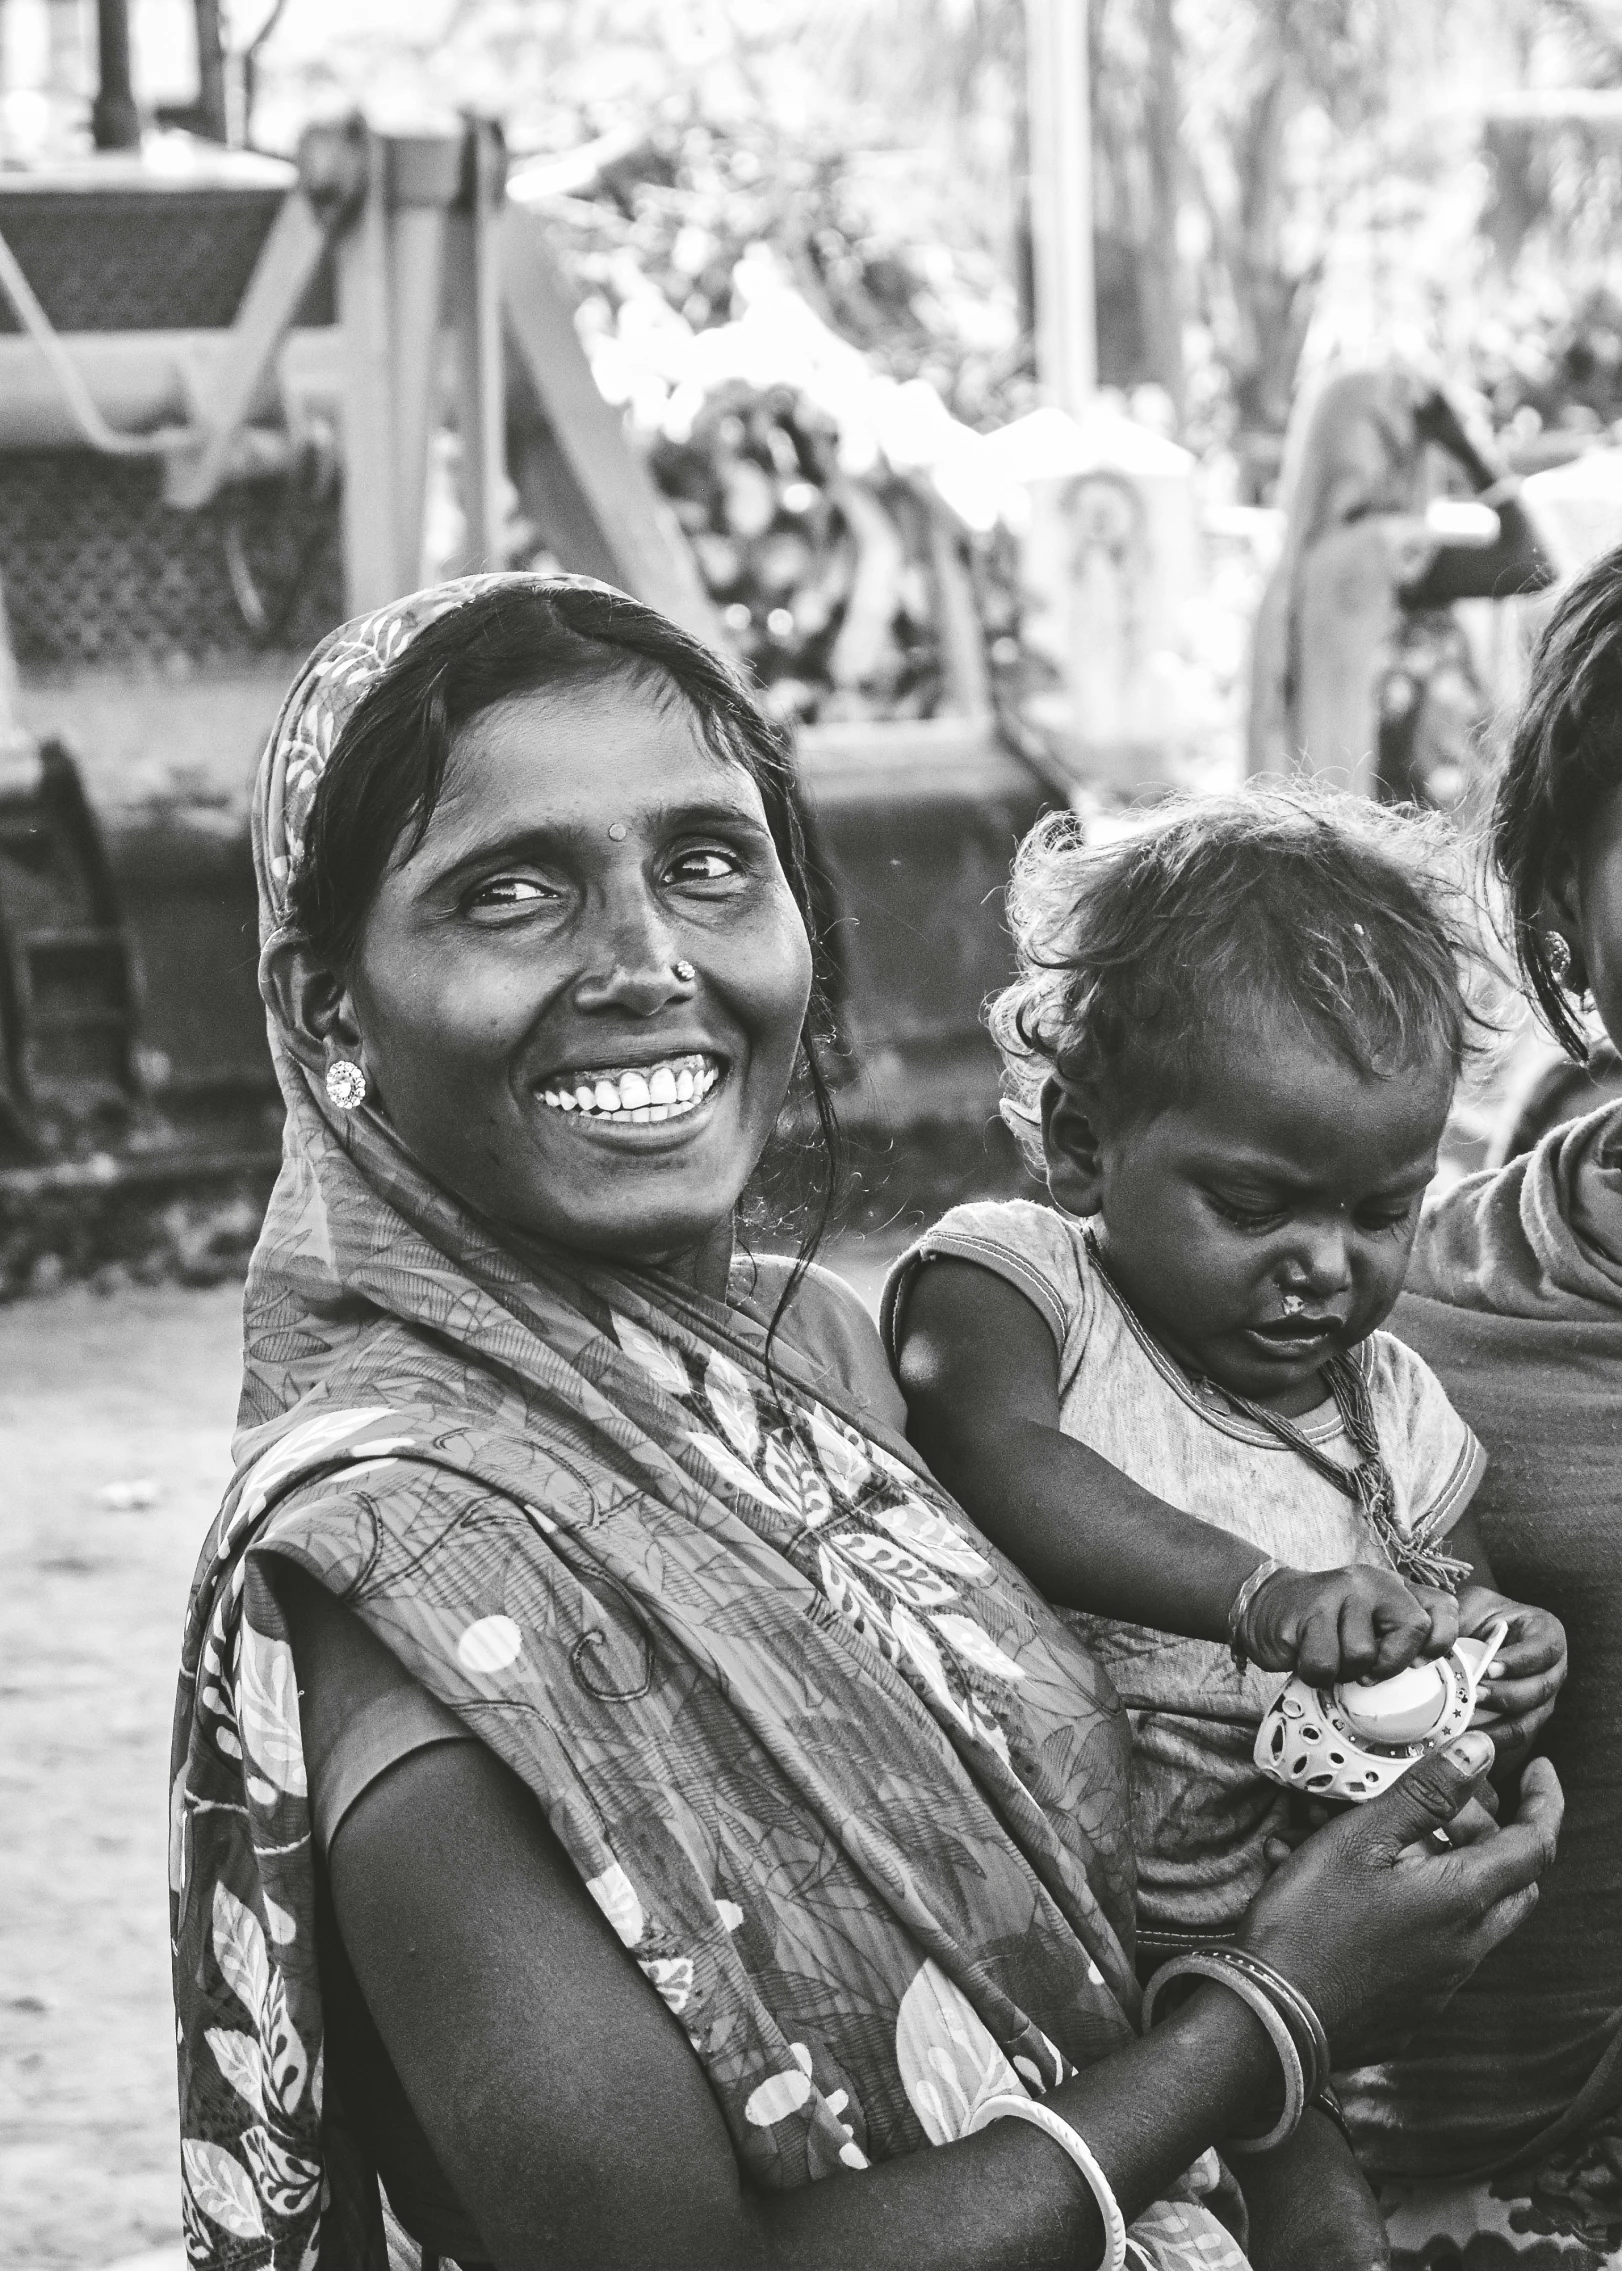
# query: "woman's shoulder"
[827,1322]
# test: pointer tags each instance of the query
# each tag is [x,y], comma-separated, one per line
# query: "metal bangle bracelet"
[1293,2006]
[1240,1607]
[1074,2145]
[1255,1999]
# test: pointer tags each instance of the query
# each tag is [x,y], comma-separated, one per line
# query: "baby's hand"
[1345,1624]
[1522,1683]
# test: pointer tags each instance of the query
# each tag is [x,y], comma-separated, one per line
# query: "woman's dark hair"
[386,774]
[1565,756]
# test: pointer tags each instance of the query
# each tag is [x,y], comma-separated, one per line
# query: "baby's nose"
[1327,1258]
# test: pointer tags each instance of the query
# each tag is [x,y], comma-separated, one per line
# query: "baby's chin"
[1256,1362]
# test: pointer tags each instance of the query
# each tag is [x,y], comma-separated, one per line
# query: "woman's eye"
[708,865]
[511,891]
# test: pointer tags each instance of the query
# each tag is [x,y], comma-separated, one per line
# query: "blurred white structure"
[1111,560]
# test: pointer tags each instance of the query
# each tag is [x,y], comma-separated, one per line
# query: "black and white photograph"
[811,1135]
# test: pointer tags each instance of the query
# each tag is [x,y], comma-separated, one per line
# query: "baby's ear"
[1071,1145]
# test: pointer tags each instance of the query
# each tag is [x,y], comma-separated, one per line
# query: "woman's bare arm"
[566,2107]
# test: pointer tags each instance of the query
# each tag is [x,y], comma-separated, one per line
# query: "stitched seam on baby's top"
[1461,1484]
[1006,1263]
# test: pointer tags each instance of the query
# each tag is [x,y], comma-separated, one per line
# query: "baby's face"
[1268,1222]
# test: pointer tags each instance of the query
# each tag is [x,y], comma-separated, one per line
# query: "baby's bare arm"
[981,1377]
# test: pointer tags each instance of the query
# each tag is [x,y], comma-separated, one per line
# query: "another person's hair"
[1564,758]
[386,773]
[1219,920]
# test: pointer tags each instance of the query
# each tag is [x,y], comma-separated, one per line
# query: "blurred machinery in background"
[239,401]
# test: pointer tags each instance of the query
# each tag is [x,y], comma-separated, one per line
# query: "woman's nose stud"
[683,971]
[617,832]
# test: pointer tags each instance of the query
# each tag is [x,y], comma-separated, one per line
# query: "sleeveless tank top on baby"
[1201,1813]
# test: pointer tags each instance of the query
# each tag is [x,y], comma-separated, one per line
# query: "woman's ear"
[1561,917]
[1071,1145]
[311,1004]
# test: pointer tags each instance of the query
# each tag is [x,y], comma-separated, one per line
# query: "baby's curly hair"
[1213,920]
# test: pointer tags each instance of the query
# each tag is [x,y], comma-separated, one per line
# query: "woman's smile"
[664,1089]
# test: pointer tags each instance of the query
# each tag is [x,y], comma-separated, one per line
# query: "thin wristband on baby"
[1208,1964]
[1071,2143]
[1240,1608]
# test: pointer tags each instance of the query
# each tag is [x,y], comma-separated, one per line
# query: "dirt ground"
[95,1394]
[99,1396]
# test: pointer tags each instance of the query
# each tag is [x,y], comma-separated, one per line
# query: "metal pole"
[474,278]
[362,266]
[423,176]
[115,122]
[1061,141]
[210,72]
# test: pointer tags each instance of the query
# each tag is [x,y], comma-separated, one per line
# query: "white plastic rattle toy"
[1353,1740]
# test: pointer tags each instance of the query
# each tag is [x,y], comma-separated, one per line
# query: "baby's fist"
[1344,1624]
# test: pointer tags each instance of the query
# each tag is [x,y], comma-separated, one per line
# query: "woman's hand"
[1522,1684]
[1345,1624]
[1370,1919]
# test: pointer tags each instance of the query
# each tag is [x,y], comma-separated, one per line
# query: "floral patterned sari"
[849,1795]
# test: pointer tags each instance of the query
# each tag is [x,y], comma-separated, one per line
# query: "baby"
[1230,1053]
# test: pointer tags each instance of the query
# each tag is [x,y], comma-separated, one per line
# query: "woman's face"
[579,1000]
[1596,933]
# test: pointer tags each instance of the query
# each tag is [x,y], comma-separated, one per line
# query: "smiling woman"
[622,1811]
[594,924]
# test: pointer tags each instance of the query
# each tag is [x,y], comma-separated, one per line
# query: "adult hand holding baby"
[1342,1624]
[1371,1920]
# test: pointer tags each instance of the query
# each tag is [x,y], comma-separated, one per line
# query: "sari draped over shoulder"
[849,1795]
[1515,1299]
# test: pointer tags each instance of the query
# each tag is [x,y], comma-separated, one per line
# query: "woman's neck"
[705,1268]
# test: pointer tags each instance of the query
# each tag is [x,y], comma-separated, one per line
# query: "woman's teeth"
[665,1091]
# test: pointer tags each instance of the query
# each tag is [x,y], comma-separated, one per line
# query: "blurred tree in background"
[1272,177]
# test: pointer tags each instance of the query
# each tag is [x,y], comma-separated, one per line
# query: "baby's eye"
[1252,1217]
[1389,1217]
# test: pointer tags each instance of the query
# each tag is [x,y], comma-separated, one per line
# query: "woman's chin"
[637,1190]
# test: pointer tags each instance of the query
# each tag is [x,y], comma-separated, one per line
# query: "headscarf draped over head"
[849,1795]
